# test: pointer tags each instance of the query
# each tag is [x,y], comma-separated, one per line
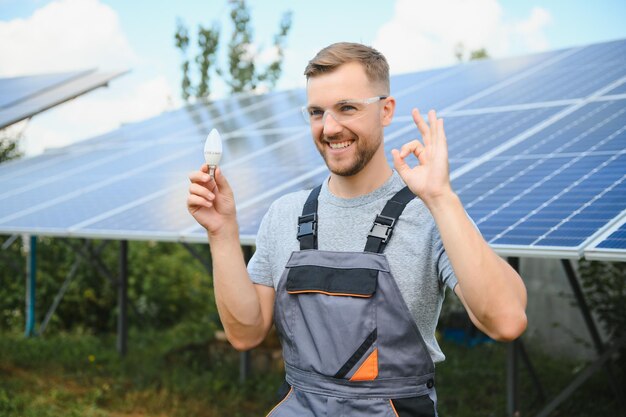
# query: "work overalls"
[350,345]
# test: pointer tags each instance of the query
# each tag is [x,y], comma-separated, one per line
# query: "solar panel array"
[24,97]
[537,147]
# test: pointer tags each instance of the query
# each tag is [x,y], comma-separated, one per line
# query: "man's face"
[347,145]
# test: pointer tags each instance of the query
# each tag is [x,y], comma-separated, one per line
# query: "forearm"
[237,301]
[491,289]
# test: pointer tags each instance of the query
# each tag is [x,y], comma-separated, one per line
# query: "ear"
[388,110]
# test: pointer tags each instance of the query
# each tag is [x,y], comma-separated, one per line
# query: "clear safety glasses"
[343,111]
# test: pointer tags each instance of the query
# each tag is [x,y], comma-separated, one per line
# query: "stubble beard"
[363,155]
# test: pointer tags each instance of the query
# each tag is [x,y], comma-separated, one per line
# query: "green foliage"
[165,285]
[9,145]
[478,54]
[181,38]
[208,41]
[81,375]
[604,285]
[475,55]
[243,72]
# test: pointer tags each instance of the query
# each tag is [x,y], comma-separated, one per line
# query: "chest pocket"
[332,313]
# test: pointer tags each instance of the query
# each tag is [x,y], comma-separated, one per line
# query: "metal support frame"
[59,296]
[604,354]
[207,263]
[512,378]
[581,377]
[30,243]
[92,256]
[515,351]
[122,300]
[517,348]
[10,260]
[244,357]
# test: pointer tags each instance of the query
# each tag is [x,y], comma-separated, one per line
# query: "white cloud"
[64,35]
[423,34]
[69,35]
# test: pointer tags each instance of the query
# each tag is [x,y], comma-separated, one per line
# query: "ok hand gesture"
[429,180]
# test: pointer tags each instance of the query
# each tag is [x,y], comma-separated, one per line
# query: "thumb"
[221,182]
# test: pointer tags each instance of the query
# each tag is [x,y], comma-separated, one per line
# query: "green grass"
[172,373]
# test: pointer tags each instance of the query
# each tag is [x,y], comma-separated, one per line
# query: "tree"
[9,148]
[475,55]
[243,72]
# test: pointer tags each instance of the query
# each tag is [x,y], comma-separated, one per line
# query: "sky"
[42,36]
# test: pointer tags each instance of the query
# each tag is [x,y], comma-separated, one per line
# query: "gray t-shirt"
[415,253]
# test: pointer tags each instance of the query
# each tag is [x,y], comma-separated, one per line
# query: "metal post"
[521,350]
[512,368]
[30,247]
[244,357]
[512,373]
[122,300]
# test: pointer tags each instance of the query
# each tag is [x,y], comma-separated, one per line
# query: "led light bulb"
[213,151]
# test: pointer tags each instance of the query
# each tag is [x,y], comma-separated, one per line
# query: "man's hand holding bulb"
[211,201]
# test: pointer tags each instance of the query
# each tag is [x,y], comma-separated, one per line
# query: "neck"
[371,177]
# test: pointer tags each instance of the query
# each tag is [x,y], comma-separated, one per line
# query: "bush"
[165,286]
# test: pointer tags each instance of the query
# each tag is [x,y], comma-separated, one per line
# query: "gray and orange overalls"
[350,344]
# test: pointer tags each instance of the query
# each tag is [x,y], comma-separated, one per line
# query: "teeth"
[339,145]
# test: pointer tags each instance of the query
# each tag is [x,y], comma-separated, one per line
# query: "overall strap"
[383,225]
[307,223]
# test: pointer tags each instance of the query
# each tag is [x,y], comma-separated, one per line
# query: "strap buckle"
[307,225]
[381,229]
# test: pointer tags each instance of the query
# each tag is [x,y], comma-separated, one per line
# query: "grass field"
[174,373]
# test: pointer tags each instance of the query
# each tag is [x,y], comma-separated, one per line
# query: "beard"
[364,152]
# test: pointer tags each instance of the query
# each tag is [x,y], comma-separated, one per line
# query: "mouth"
[340,145]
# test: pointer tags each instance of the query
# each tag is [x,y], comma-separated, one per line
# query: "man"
[356,305]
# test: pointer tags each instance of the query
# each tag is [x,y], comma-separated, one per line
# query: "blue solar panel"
[576,75]
[23,97]
[555,188]
[16,89]
[537,149]
[616,240]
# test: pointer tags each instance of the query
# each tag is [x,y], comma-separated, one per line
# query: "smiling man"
[356,305]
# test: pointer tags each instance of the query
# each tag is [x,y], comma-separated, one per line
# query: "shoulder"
[289,203]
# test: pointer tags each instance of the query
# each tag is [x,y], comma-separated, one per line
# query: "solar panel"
[18,89]
[23,97]
[537,150]
[554,189]
[610,245]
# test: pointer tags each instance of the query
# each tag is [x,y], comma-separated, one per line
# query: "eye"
[315,113]
[348,108]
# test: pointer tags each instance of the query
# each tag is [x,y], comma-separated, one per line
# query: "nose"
[331,125]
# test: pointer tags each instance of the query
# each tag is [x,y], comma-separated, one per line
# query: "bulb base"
[212,171]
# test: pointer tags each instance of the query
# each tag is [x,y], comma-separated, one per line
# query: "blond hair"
[330,58]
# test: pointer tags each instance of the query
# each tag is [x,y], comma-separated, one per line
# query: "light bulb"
[213,151]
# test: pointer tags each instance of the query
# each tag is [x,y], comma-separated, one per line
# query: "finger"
[415,147]
[195,202]
[204,168]
[199,190]
[442,132]
[221,182]
[422,126]
[432,122]
[398,162]
[199,177]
